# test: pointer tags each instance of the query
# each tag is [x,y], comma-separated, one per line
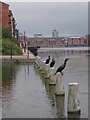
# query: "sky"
[68,18]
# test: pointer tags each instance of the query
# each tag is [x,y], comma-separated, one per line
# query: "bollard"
[40,63]
[37,61]
[73,98]
[52,76]
[46,67]
[60,103]
[47,71]
[59,85]
[43,67]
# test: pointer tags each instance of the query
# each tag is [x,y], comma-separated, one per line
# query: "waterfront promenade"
[21,58]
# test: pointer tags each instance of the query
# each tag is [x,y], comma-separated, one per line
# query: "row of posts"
[58,81]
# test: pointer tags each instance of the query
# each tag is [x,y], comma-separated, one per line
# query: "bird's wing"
[61,68]
[50,64]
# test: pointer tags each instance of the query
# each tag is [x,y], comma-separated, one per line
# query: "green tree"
[9,44]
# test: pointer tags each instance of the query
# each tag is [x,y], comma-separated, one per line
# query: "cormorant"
[62,67]
[48,60]
[52,63]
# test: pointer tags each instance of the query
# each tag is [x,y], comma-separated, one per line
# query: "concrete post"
[36,61]
[43,67]
[73,98]
[46,67]
[52,76]
[47,71]
[60,103]
[59,85]
[40,64]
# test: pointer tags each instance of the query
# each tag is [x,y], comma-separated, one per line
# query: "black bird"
[62,67]
[48,60]
[52,63]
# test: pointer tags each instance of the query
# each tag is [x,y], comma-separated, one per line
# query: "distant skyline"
[68,18]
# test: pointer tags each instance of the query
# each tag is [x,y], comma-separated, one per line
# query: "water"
[26,94]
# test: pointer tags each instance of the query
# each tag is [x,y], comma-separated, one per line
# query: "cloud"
[66,18]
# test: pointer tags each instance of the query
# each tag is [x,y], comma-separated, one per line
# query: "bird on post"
[48,60]
[52,63]
[62,67]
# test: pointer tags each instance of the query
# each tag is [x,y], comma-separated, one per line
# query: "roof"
[4,3]
[75,37]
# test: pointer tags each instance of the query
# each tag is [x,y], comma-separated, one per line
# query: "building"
[4,14]
[7,18]
[54,34]
[87,39]
[46,42]
[38,35]
[75,41]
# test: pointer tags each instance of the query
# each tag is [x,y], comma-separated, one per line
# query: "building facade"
[75,41]
[7,18]
[5,12]
[54,34]
[46,42]
[87,39]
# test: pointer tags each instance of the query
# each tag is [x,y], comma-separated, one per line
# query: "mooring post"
[52,76]
[59,90]
[47,71]
[39,61]
[60,103]
[73,98]
[43,67]
[40,64]
[47,67]
[36,61]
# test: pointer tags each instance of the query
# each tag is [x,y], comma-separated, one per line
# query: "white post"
[43,64]
[59,85]
[52,76]
[36,60]
[43,67]
[73,98]
[47,71]
[46,67]
[60,102]
[40,64]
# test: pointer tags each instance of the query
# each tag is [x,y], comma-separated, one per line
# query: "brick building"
[87,39]
[46,42]
[75,41]
[4,14]
[7,18]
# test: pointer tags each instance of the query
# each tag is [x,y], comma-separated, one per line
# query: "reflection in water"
[76,71]
[24,86]
[50,90]
[8,74]
[77,52]
[60,106]
[52,95]
[73,116]
[8,79]
[47,85]
[62,53]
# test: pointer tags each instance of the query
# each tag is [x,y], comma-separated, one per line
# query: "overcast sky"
[68,18]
